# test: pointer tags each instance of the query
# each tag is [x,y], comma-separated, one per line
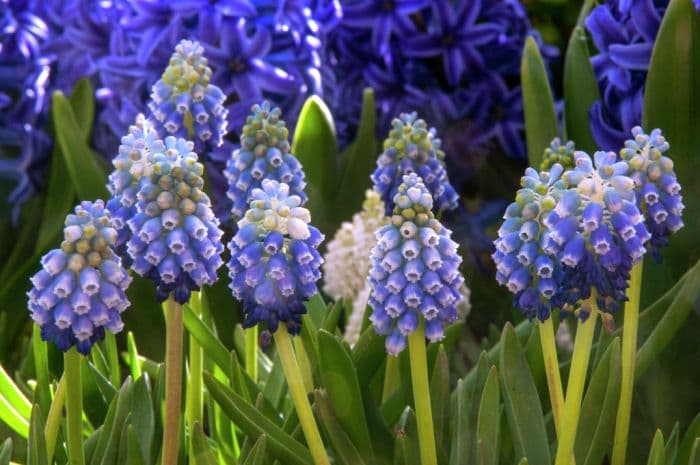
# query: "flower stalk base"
[74,407]
[173,381]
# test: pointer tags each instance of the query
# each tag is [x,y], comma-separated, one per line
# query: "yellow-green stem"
[53,419]
[301,401]
[551,367]
[421,395]
[304,364]
[173,381]
[74,407]
[195,407]
[629,350]
[251,352]
[391,377]
[575,385]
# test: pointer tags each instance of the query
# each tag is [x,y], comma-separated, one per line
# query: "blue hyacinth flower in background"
[176,240]
[415,270]
[523,262]
[264,154]
[412,147]
[274,262]
[80,291]
[658,190]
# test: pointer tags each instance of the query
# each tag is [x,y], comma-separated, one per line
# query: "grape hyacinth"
[274,262]
[411,147]
[132,163]
[415,270]
[597,231]
[176,240]
[264,154]
[347,260]
[558,153]
[185,103]
[80,292]
[658,190]
[524,263]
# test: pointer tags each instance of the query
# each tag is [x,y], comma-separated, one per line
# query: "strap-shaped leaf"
[339,378]
[671,449]
[345,451]
[368,354]
[10,391]
[694,458]
[522,404]
[257,452]
[6,452]
[36,442]
[691,434]
[489,422]
[540,117]
[107,446]
[657,454]
[133,450]
[142,417]
[201,452]
[407,450]
[440,404]
[211,345]
[253,424]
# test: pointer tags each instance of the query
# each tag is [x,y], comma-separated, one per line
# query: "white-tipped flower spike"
[133,162]
[80,292]
[347,260]
[658,190]
[415,270]
[185,103]
[176,240]
[274,262]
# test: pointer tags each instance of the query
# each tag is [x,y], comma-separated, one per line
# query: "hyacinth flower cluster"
[185,103]
[264,154]
[132,163]
[175,237]
[274,262]
[524,264]
[80,291]
[656,185]
[412,147]
[415,270]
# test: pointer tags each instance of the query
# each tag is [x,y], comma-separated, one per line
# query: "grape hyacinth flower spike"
[412,147]
[80,291]
[274,262]
[133,162]
[264,154]
[523,263]
[558,152]
[176,240]
[185,103]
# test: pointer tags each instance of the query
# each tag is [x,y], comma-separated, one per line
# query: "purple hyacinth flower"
[80,291]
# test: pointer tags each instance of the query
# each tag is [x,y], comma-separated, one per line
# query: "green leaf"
[134,455]
[656,454]
[85,173]
[339,378]
[580,91]
[106,389]
[134,364]
[540,117]
[691,434]
[59,199]
[330,322]
[36,442]
[10,391]
[107,446]
[211,345]
[201,452]
[368,354]
[345,451]
[257,452]
[142,416]
[671,448]
[42,393]
[357,164]
[489,421]
[253,424]
[440,404]
[82,101]
[522,404]
[694,458]
[12,418]
[6,452]
[407,439]
[595,433]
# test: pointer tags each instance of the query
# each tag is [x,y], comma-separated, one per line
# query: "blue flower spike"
[558,152]
[176,240]
[597,231]
[264,154]
[80,291]
[415,270]
[658,190]
[524,263]
[274,262]
[185,103]
[412,147]
[132,163]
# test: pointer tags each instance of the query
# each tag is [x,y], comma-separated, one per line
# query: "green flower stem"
[290,366]
[304,364]
[54,418]
[629,348]
[576,382]
[173,381]
[251,352]
[74,407]
[391,377]
[551,368]
[421,395]
[195,406]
